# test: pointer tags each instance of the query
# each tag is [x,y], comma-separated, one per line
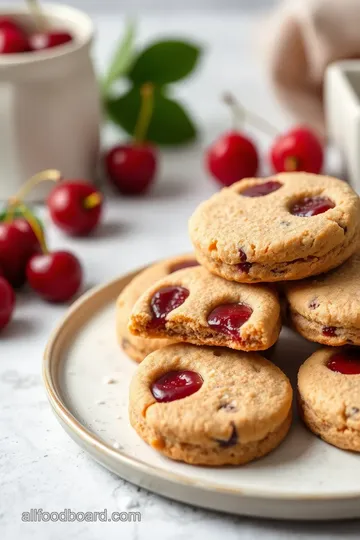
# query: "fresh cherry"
[9,24]
[47,40]
[55,276]
[228,318]
[346,362]
[165,300]
[260,190]
[32,244]
[15,250]
[176,385]
[183,264]
[312,206]
[7,302]
[131,167]
[75,207]
[232,157]
[13,40]
[297,150]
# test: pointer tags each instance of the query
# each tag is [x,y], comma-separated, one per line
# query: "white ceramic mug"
[49,105]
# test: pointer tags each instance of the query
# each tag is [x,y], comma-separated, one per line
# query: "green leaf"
[170,123]
[122,58]
[164,62]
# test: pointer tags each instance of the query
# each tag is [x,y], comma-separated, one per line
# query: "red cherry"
[32,245]
[232,157]
[131,167]
[260,190]
[46,40]
[183,264]
[75,207]
[8,24]
[55,276]
[13,40]
[228,318]
[7,302]
[297,150]
[165,300]
[312,206]
[176,385]
[15,251]
[346,362]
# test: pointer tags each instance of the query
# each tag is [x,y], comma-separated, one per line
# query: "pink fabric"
[300,39]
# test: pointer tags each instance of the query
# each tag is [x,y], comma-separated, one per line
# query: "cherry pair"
[13,39]
[234,155]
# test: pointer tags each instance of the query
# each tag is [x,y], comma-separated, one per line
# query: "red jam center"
[259,190]
[176,385]
[329,331]
[312,206]
[345,362]
[228,318]
[164,301]
[183,264]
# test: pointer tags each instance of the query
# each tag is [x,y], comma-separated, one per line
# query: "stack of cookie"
[217,401]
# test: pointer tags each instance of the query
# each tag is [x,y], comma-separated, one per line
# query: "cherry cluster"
[56,276]
[235,156]
[14,39]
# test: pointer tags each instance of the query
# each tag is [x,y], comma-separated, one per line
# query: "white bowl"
[49,105]
[342,110]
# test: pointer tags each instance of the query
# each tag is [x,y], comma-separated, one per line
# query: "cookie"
[194,306]
[329,396]
[326,309]
[210,406]
[289,226]
[138,347]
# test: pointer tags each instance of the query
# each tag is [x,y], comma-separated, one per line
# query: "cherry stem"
[92,200]
[48,174]
[38,15]
[34,224]
[145,114]
[241,114]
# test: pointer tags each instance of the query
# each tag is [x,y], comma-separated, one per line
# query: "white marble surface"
[40,467]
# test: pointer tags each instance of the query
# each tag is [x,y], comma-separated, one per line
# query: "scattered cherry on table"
[75,207]
[7,302]
[15,251]
[131,167]
[297,150]
[233,156]
[56,276]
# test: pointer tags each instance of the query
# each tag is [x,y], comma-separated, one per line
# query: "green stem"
[30,218]
[145,114]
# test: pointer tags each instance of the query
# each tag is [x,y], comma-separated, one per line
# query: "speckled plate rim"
[138,471]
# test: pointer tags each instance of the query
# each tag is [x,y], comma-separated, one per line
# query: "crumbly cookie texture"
[139,347]
[254,239]
[327,309]
[330,401]
[189,322]
[241,412]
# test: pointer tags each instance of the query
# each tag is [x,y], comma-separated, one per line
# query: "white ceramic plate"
[304,478]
